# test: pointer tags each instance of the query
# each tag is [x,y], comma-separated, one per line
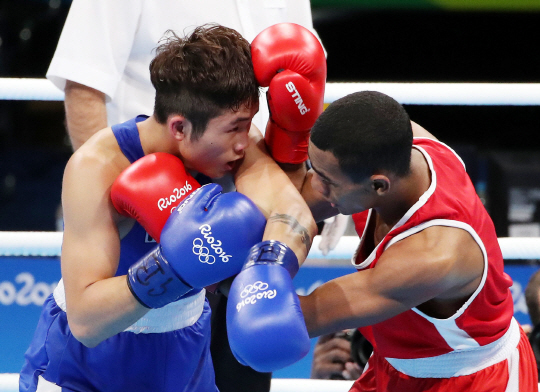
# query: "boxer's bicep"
[427,265]
[263,181]
[260,178]
[91,245]
[98,303]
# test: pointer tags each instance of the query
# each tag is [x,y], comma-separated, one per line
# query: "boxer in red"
[430,294]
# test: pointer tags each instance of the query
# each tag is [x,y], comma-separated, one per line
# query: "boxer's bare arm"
[261,179]
[99,305]
[436,270]
[85,112]
[296,173]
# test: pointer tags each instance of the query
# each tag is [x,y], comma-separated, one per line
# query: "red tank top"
[451,200]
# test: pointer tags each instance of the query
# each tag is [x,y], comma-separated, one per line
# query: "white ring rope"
[445,93]
[44,244]
[30,243]
[29,89]
[9,382]
[307,385]
[406,93]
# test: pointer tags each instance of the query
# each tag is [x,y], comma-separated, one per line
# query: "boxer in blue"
[142,239]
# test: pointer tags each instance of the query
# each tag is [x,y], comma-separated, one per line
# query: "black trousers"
[231,376]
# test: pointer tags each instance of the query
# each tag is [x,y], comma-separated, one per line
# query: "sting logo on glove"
[186,200]
[297,98]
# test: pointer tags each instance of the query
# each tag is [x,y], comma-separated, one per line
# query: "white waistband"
[461,363]
[176,315]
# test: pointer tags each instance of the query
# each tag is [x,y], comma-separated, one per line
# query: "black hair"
[203,74]
[367,132]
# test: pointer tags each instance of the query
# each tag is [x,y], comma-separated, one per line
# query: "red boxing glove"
[150,189]
[290,60]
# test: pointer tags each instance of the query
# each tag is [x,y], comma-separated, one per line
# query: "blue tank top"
[137,242]
[177,360]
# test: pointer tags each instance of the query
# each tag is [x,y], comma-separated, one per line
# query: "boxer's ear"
[380,183]
[179,127]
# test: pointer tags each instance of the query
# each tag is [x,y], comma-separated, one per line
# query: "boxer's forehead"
[231,118]
[324,163]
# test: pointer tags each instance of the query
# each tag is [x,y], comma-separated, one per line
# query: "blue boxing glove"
[265,323]
[204,241]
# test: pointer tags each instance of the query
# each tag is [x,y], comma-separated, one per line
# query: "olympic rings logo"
[216,245]
[203,252]
[254,292]
[253,288]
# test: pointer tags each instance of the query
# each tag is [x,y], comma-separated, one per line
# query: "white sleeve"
[95,44]
[299,12]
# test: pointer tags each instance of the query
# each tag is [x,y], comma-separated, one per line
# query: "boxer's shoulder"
[89,175]
[99,156]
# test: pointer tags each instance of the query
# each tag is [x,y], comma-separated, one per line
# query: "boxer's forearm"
[85,112]
[291,222]
[102,310]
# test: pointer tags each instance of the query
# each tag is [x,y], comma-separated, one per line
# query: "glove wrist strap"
[273,252]
[153,282]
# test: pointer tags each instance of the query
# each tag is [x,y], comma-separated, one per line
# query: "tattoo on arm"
[295,226]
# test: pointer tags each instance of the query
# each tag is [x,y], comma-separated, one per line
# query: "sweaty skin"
[436,269]
[100,305]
